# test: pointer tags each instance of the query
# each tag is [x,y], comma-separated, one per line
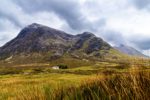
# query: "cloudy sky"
[116,21]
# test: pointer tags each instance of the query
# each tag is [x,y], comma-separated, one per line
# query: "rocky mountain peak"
[40,38]
[34,25]
[88,33]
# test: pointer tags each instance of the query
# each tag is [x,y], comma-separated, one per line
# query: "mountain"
[37,38]
[129,50]
[38,41]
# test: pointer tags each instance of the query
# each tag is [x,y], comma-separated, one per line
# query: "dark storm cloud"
[8,11]
[12,19]
[143,44]
[113,37]
[66,9]
[141,4]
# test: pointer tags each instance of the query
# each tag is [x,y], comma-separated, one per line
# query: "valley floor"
[101,81]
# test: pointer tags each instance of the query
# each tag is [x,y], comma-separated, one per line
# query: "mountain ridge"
[37,38]
[129,50]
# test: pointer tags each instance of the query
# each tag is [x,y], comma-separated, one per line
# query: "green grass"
[102,80]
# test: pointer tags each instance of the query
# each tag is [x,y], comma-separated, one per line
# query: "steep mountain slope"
[37,38]
[36,43]
[129,50]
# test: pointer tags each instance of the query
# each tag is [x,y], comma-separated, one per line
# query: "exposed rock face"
[90,43]
[39,38]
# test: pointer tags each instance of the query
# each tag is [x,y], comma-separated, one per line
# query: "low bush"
[63,66]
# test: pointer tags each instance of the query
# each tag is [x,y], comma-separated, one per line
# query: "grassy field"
[102,81]
[30,86]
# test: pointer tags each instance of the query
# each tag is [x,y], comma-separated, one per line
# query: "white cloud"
[146,52]
[132,23]
[8,31]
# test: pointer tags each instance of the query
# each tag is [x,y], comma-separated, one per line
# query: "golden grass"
[128,86]
[32,85]
[131,85]
[101,81]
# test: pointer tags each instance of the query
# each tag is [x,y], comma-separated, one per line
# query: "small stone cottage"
[55,67]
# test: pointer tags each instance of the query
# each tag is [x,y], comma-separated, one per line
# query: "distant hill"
[129,50]
[39,42]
